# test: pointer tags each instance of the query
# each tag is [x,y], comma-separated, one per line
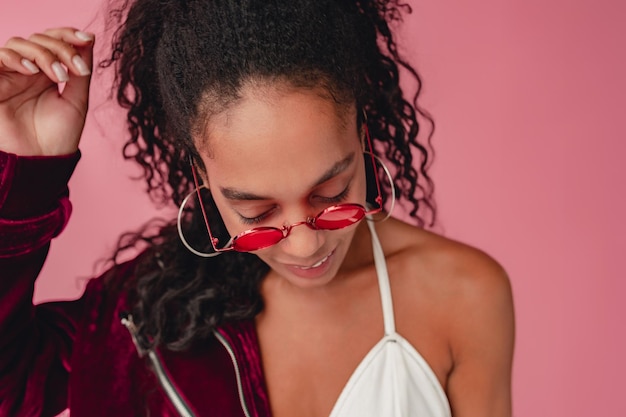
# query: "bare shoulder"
[461,298]
[466,287]
[455,268]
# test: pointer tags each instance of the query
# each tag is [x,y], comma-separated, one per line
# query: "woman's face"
[278,156]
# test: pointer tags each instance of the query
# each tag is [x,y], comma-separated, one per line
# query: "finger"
[53,55]
[83,43]
[71,35]
[76,90]
[43,58]
[56,50]
[11,61]
[66,53]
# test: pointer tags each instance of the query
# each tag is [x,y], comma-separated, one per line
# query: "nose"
[302,241]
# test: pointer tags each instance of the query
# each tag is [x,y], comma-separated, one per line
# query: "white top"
[393,380]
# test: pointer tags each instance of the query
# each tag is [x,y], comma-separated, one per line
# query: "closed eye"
[335,199]
[257,219]
[320,199]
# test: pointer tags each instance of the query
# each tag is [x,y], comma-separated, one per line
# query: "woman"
[278,292]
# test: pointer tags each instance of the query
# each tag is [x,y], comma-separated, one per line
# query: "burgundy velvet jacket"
[78,354]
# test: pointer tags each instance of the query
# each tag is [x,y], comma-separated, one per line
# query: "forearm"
[35,342]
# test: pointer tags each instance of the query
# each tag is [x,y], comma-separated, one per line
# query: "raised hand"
[36,118]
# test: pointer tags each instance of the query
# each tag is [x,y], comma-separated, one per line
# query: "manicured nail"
[29,65]
[80,65]
[84,36]
[60,72]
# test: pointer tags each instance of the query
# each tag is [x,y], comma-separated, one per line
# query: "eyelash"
[338,198]
[326,200]
[257,219]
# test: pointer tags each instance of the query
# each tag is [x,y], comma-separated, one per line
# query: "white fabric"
[393,380]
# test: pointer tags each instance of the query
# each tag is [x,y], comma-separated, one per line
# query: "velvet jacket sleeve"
[35,342]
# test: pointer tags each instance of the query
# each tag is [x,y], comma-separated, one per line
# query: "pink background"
[528,98]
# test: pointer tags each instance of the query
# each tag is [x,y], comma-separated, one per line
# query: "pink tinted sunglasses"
[334,217]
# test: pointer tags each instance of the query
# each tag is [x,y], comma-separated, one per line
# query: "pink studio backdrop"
[528,98]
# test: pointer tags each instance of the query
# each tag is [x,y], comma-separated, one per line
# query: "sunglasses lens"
[338,217]
[333,218]
[258,238]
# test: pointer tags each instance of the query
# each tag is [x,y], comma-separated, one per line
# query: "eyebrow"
[336,169]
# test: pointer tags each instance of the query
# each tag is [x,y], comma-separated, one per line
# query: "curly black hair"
[178,62]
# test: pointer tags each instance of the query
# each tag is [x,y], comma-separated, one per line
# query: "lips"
[315,265]
[316,270]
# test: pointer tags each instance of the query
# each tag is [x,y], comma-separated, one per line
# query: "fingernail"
[84,36]
[29,65]
[60,72]
[80,65]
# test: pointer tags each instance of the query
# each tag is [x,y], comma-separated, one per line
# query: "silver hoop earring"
[180,226]
[393,189]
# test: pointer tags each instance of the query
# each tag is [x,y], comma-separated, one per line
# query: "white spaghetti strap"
[393,379]
[383,282]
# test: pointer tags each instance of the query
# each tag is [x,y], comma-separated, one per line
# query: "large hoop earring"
[393,189]
[180,227]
